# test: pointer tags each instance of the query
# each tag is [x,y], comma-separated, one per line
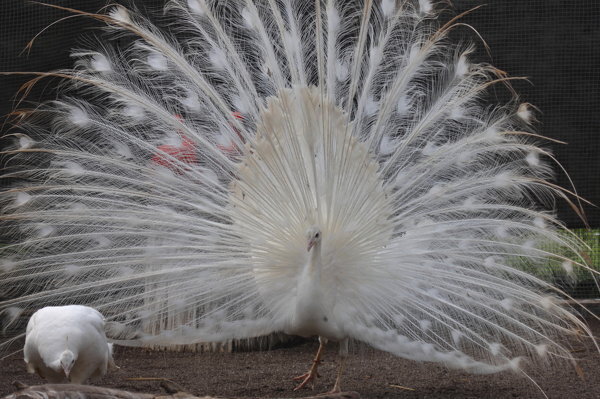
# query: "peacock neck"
[313,267]
[310,279]
[308,313]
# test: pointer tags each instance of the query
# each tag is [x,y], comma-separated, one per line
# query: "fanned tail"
[178,176]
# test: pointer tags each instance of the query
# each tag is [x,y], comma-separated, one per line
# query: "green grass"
[580,283]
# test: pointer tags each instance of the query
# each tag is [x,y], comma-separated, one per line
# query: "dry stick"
[72,391]
[401,387]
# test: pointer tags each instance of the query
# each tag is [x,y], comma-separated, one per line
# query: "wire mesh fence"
[552,43]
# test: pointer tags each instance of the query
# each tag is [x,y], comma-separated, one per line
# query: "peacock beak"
[311,243]
[67,370]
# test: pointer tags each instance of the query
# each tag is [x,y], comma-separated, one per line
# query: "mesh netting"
[552,43]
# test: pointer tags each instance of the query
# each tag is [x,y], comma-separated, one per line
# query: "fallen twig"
[75,391]
[401,387]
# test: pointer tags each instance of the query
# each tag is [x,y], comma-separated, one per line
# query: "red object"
[187,152]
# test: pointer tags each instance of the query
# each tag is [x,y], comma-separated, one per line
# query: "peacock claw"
[307,377]
[336,389]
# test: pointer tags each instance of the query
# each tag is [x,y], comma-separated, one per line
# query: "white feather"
[70,168]
[196,7]
[249,19]
[22,198]
[525,113]
[501,232]
[456,337]
[507,304]
[79,117]
[430,148]
[533,159]
[425,7]
[539,222]
[457,113]
[158,62]
[102,242]
[388,7]
[547,302]
[567,265]
[25,142]
[425,324]
[100,63]
[470,203]
[333,19]
[341,70]
[490,261]
[462,66]
[120,14]
[492,134]
[12,313]
[44,230]
[191,101]
[541,349]
[241,105]
[503,179]
[404,104]
[218,58]
[123,150]
[134,112]
[372,106]
[7,265]
[387,145]
[72,270]
[495,348]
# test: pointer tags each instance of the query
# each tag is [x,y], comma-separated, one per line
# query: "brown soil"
[372,373]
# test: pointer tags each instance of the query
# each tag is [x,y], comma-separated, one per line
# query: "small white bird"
[67,342]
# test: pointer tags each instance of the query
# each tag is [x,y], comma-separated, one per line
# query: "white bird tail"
[173,191]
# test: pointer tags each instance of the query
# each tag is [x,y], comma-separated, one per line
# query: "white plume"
[195,6]
[176,196]
[25,142]
[388,7]
[157,62]
[22,198]
[425,7]
[120,14]
[79,117]
[100,63]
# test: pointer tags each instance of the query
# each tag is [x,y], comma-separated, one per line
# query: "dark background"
[554,43]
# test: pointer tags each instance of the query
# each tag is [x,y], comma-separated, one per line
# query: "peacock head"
[314,237]
[67,360]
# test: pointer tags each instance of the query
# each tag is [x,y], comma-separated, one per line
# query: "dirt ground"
[372,373]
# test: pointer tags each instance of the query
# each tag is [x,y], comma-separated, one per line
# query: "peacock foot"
[336,389]
[309,376]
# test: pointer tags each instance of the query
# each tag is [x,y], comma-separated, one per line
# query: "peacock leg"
[312,372]
[343,356]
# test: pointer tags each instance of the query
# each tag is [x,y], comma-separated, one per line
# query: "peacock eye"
[317,235]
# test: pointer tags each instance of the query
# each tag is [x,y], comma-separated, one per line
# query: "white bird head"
[314,237]
[67,360]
